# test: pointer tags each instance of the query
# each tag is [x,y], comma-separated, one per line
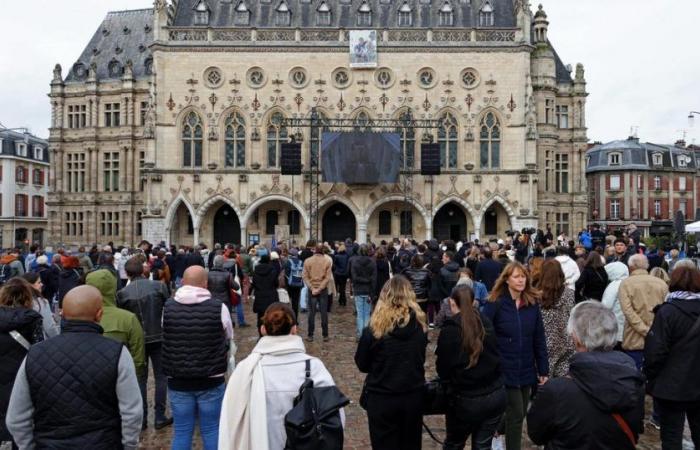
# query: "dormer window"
[364,15]
[614,159]
[242,14]
[21,149]
[486,15]
[283,16]
[39,153]
[201,13]
[323,15]
[657,159]
[446,15]
[405,15]
[683,161]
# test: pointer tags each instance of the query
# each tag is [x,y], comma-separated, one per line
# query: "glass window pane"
[271,153]
[495,154]
[484,154]
[228,155]
[198,153]
[187,154]
[453,154]
[240,154]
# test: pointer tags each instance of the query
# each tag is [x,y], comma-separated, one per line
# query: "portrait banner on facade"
[363,48]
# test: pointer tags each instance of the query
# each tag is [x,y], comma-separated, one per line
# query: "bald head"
[83,303]
[195,276]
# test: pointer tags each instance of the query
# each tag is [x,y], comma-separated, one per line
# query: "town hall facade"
[170,125]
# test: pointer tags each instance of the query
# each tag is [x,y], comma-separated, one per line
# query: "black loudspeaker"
[290,159]
[430,159]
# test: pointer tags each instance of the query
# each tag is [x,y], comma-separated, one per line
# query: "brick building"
[642,183]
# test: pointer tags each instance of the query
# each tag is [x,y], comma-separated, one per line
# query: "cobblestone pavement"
[338,357]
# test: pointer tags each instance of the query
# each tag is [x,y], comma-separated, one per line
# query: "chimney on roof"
[680,143]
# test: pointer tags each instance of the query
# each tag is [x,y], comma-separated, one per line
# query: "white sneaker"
[498,443]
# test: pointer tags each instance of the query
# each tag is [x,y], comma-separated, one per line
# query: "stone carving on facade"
[57,74]
[232,35]
[451,35]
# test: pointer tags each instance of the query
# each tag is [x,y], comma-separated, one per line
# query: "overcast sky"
[641,58]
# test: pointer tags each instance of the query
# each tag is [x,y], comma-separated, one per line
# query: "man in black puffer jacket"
[363,277]
[449,274]
[196,330]
[79,389]
[600,405]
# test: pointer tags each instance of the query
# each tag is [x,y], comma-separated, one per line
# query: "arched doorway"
[450,223]
[227,227]
[182,227]
[338,223]
[495,222]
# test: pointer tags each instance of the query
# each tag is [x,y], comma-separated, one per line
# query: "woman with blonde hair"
[514,311]
[392,354]
[658,272]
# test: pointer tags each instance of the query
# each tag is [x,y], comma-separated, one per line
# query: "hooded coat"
[119,324]
[576,412]
[616,273]
[28,323]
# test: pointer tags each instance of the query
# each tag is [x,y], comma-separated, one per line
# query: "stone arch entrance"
[450,223]
[182,227]
[338,223]
[495,221]
[227,227]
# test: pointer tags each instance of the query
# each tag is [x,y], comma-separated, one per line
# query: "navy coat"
[521,341]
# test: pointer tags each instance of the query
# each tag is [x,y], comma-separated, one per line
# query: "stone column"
[92,168]
[126,175]
[362,232]
[244,235]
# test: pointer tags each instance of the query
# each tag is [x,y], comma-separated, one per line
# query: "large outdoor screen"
[360,157]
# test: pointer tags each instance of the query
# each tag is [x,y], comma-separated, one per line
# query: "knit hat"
[293,252]
[43,259]
[274,256]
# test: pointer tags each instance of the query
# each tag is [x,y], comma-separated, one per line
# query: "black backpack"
[5,273]
[314,421]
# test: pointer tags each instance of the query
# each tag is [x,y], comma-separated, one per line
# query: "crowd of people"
[564,336]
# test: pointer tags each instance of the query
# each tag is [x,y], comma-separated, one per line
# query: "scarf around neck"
[243,422]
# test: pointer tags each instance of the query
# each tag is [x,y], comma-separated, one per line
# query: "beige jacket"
[638,295]
[317,272]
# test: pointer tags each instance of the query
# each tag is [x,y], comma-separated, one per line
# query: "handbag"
[314,421]
[435,398]
[283,295]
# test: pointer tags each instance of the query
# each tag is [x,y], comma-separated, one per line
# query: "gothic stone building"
[170,124]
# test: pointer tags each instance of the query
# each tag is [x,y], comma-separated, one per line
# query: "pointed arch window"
[405,15]
[192,140]
[283,16]
[364,15]
[408,141]
[486,15]
[384,223]
[490,140]
[323,15]
[242,14]
[201,13]
[316,140]
[447,138]
[446,15]
[276,135]
[234,148]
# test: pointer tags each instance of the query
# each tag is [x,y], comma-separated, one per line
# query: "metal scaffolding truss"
[316,124]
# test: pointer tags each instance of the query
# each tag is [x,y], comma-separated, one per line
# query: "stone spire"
[541,25]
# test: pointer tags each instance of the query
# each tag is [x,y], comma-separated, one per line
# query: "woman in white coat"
[617,272]
[262,388]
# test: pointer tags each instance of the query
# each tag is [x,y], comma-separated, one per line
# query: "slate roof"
[122,36]
[636,155]
[562,73]
[343,13]
[10,138]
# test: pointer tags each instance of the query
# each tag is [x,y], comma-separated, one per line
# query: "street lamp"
[691,118]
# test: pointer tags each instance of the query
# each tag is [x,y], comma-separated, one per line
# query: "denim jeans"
[239,313]
[363,306]
[154,352]
[188,407]
[318,303]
